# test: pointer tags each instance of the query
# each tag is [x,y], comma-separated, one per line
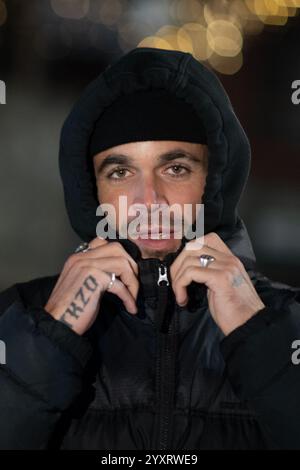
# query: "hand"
[76,297]
[231,295]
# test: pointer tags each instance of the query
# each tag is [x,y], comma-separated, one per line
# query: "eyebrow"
[121,159]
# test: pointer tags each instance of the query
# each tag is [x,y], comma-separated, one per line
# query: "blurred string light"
[214,30]
[196,34]
[224,38]
[270,11]
[186,11]
[3,13]
[289,3]
[210,31]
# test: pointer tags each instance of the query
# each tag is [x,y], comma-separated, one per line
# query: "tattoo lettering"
[75,310]
[238,280]
[80,294]
[88,285]
[63,320]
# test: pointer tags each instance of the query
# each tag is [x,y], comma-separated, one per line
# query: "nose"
[148,191]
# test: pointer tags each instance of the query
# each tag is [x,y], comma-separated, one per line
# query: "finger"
[103,249]
[223,263]
[188,256]
[96,242]
[120,266]
[213,240]
[193,262]
[123,293]
[75,281]
[112,249]
[212,278]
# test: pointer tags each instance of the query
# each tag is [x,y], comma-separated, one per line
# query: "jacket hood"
[180,73]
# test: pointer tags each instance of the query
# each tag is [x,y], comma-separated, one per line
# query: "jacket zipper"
[162,275]
[166,360]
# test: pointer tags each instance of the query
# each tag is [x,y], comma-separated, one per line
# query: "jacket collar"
[238,242]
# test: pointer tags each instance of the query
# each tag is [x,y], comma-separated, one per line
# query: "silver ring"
[82,248]
[112,281]
[205,260]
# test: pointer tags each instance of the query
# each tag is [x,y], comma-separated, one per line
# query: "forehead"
[139,150]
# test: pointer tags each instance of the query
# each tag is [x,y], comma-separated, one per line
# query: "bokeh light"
[229,66]
[197,34]
[213,31]
[185,11]
[154,41]
[224,38]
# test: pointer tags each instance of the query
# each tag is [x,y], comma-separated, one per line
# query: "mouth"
[156,234]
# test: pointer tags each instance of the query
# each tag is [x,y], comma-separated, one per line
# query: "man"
[159,342]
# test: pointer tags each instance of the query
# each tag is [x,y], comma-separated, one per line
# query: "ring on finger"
[205,260]
[112,281]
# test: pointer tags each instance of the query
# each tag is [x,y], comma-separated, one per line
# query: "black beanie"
[146,115]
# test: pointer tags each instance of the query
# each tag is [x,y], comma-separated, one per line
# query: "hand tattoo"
[238,280]
[75,310]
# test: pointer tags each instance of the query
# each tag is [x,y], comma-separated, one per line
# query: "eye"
[178,170]
[118,173]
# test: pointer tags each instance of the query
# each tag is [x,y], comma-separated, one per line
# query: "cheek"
[189,192]
[108,193]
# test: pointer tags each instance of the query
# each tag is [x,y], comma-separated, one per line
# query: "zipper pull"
[162,275]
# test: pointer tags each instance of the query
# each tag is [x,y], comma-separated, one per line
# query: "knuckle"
[82,263]
[212,236]
[71,261]
[116,246]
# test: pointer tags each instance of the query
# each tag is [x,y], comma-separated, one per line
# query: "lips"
[162,233]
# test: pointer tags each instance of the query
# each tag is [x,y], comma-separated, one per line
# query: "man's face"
[150,173]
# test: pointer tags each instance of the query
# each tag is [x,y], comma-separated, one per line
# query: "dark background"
[47,58]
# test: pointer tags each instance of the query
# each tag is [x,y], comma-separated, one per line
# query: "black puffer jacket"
[166,378]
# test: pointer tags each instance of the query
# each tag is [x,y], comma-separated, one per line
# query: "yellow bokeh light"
[167,30]
[270,12]
[224,38]
[197,36]
[228,65]
[213,12]
[169,34]
[184,41]
[288,3]
[154,41]
[186,10]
